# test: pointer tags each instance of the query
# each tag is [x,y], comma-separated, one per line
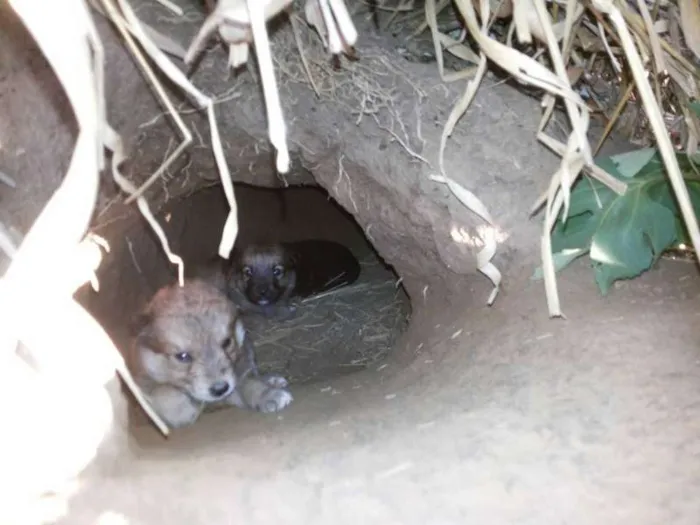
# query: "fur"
[261,278]
[190,349]
[264,278]
[320,266]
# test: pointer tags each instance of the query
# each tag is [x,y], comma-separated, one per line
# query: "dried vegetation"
[631,64]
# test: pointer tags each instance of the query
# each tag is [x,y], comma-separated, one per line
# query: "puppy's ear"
[234,258]
[237,250]
[215,263]
[141,329]
[291,256]
[138,322]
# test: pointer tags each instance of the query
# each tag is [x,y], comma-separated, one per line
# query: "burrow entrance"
[331,334]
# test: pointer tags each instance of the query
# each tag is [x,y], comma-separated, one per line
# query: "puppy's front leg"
[175,407]
[264,394]
[246,363]
[281,312]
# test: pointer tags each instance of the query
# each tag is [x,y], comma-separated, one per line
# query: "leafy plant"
[624,235]
[695,106]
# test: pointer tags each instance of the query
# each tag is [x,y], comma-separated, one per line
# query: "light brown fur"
[189,344]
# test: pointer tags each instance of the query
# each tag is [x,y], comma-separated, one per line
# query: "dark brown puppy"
[265,277]
[262,276]
[262,284]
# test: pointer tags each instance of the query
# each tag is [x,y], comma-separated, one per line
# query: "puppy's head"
[188,337]
[263,273]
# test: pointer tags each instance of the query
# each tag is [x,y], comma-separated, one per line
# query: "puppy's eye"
[247,271]
[278,271]
[184,357]
[226,343]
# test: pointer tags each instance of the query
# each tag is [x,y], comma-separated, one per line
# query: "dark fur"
[309,267]
[321,266]
[253,274]
[305,268]
[245,292]
[214,271]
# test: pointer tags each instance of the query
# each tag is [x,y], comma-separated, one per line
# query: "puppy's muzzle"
[220,389]
[263,295]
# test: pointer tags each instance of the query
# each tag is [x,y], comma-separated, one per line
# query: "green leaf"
[561,259]
[609,165]
[576,233]
[625,234]
[660,191]
[647,161]
[695,106]
[632,233]
[589,196]
[631,163]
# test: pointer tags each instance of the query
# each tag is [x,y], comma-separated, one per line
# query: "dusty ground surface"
[496,415]
[493,415]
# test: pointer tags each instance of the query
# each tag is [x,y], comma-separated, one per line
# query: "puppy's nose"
[219,388]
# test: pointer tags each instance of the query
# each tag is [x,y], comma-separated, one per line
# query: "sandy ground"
[496,416]
[493,415]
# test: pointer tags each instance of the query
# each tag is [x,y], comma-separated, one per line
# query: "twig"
[7,243]
[150,75]
[302,55]
[613,60]
[341,172]
[6,179]
[171,6]
[133,256]
[635,22]
[613,118]
[403,144]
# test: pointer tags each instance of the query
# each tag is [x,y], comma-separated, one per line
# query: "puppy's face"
[189,338]
[263,274]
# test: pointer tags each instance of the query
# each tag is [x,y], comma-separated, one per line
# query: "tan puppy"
[190,350]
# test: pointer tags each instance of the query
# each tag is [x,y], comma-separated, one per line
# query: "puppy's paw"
[264,394]
[275,381]
[282,312]
[292,307]
[274,400]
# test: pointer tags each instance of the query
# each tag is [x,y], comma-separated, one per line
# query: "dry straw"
[74,50]
[532,19]
[78,60]
[75,53]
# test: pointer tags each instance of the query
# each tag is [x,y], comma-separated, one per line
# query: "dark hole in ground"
[331,334]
